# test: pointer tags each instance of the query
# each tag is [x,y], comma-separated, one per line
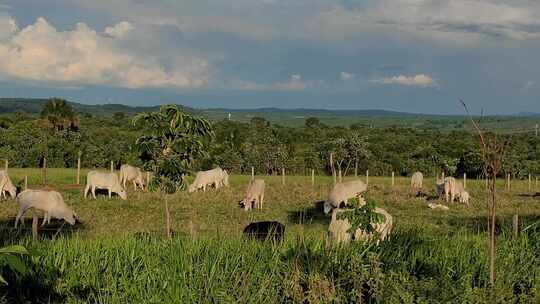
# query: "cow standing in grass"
[50,203]
[6,185]
[342,192]
[417,180]
[452,189]
[216,177]
[254,195]
[133,174]
[98,180]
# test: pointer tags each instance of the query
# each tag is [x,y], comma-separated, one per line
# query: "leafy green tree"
[60,115]
[313,123]
[172,141]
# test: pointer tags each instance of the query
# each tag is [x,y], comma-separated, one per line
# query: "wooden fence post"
[464,180]
[530,186]
[536,183]
[283,176]
[6,165]
[340,177]
[167,219]
[25,182]
[35,219]
[515,226]
[79,170]
[147,178]
[393,182]
[356,169]
[508,181]
[367,177]
[112,166]
[312,177]
[252,173]
[44,172]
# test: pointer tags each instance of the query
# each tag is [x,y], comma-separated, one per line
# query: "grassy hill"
[522,122]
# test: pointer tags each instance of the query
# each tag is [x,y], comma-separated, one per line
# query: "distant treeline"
[26,140]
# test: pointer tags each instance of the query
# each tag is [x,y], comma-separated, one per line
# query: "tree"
[313,123]
[259,122]
[60,115]
[172,141]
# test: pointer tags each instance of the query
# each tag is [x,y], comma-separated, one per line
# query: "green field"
[118,254]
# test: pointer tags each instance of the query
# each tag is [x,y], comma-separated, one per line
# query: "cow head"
[327,208]
[11,190]
[120,191]
[70,217]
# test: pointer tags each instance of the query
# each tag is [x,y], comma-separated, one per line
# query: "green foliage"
[363,217]
[10,257]
[59,114]
[172,141]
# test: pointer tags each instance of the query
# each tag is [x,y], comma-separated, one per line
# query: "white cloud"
[420,80]
[295,83]
[41,53]
[119,30]
[344,76]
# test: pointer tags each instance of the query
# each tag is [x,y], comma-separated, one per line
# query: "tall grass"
[118,253]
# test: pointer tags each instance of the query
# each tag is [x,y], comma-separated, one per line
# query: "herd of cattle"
[51,203]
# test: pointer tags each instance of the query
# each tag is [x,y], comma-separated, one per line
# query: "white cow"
[464,197]
[416,180]
[338,228]
[99,180]
[50,203]
[130,173]
[343,192]
[216,177]
[452,189]
[254,195]
[6,185]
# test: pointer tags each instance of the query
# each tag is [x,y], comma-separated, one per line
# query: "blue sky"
[405,55]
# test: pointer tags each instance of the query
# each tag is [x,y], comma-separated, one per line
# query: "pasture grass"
[118,254]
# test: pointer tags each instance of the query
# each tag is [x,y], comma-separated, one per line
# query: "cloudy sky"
[406,55]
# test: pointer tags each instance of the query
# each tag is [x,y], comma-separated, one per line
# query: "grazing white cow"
[254,195]
[416,180]
[464,197]
[130,173]
[216,177]
[338,228]
[343,192]
[6,185]
[100,180]
[50,203]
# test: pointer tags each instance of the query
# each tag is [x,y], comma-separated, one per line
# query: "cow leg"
[45,215]
[18,218]
[261,199]
[110,192]
[94,192]
[134,186]
[86,190]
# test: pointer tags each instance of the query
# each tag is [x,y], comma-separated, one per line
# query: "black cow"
[267,230]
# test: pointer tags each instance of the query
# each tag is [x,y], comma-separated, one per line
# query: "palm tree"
[60,115]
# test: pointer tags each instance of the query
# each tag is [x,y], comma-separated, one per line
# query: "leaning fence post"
[25,182]
[312,177]
[393,182]
[283,176]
